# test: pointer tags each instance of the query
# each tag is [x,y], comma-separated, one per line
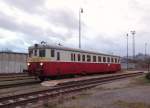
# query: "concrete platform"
[62,81]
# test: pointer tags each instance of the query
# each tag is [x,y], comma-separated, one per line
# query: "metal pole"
[145,49]
[79,29]
[133,34]
[127,53]
[80,11]
[146,61]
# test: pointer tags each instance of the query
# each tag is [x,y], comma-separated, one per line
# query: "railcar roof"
[39,46]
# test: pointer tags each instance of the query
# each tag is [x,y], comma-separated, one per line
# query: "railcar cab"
[36,58]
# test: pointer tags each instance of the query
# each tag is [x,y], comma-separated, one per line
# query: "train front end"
[35,68]
[36,61]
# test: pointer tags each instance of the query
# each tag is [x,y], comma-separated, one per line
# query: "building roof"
[9,52]
[45,46]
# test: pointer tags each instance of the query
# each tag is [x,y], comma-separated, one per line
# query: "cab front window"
[42,53]
[35,52]
[30,53]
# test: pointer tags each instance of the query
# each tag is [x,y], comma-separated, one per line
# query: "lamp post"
[80,11]
[146,61]
[127,53]
[145,49]
[133,34]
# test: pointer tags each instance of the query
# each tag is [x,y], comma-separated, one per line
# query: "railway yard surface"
[129,92]
[126,93]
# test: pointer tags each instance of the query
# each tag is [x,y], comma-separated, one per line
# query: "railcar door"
[58,64]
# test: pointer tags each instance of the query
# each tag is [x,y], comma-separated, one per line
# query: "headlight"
[28,64]
[41,64]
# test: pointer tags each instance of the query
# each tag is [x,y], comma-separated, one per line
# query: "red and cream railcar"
[47,61]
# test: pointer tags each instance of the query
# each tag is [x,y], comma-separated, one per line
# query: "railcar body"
[48,61]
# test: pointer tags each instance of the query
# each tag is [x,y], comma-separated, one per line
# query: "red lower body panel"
[64,68]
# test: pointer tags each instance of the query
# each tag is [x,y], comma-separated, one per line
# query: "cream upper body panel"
[59,55]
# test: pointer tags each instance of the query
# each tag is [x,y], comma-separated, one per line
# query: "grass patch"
[141,81]
[48,105]
[61,100]
[123,104]
[85,94]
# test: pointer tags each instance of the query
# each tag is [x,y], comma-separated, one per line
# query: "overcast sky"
[104,24]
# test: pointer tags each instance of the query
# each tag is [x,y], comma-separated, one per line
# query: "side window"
[83,57]
[94,58]
[58,55]
[108,59]
[79,57]
[119,60]
[104,59]
[115,60]
[52,53]
[42,53]
[112,60]
[35,52]
[71,57]
[88,58]
[74,57]
[99,59]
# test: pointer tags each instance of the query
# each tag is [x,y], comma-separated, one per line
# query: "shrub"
[148,75]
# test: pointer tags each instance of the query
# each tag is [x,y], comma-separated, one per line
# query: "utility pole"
[127,53]
[133,34]
[145,49]
[80,11]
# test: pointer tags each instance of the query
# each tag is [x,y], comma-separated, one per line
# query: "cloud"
[30,6]
[8,22]
[104,24]
[64,18]
[33,33]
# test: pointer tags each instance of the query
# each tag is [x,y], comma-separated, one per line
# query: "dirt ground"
[126,93]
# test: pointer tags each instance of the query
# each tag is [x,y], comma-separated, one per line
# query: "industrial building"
[12,62]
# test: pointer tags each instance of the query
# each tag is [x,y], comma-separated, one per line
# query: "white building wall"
[11,62]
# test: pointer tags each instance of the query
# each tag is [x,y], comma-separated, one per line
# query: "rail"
[23,99]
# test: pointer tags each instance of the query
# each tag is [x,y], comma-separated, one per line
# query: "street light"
[80,11]
[145,49]
[127,52]
[133,34]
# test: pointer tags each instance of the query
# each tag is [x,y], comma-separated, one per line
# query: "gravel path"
[127,93]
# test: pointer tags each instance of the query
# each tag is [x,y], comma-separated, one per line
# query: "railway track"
[9,75]
[23,99]
[16,79]
[18,84]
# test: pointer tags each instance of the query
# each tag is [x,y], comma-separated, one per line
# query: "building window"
[83,57]
[52,53]
[104,59]
[108,59]
[35,52]
[99,59]
[71,57]
[112,60]
[58,56]
[42,53]
[88,58]
[94,58]
[79,57]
